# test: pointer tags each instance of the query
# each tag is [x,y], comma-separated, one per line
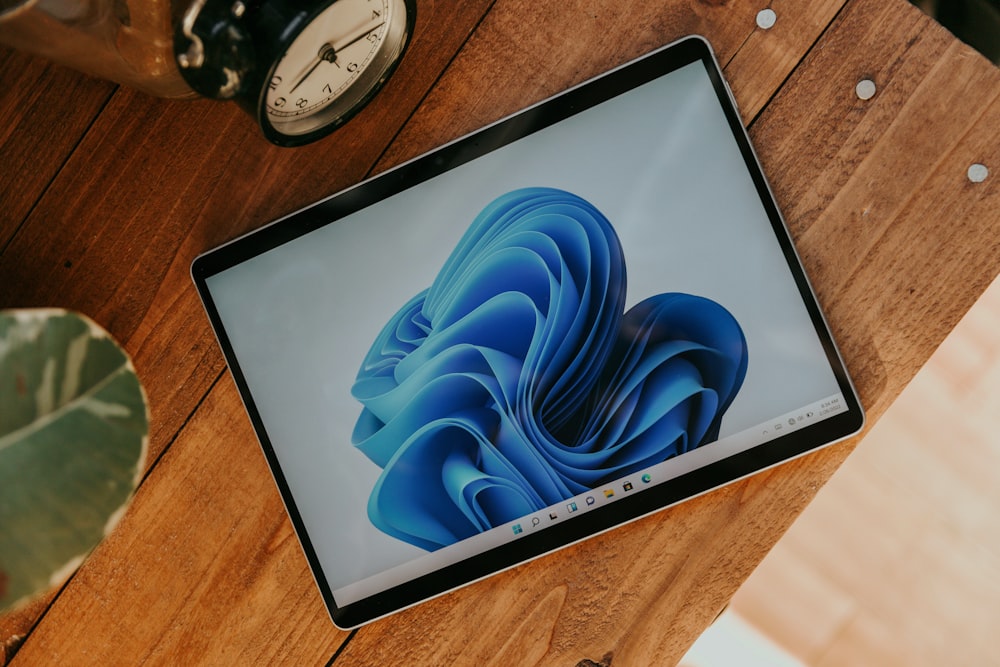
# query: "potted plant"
[74,429]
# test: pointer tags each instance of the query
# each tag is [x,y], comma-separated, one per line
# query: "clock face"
[334,66]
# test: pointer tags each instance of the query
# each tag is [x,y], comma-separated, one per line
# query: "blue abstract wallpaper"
[516,380]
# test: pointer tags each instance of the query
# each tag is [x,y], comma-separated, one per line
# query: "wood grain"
[156,182]
[765,58]
[206,555]
[152,184]
[39,130]
[640,593]
[682,593]
[208,562]
[875,192]
[506,67]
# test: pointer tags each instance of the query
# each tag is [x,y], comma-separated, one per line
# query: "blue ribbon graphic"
[516,381]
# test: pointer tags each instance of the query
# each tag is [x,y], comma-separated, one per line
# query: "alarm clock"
[301,69]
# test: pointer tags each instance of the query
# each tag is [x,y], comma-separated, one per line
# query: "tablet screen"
[579,315]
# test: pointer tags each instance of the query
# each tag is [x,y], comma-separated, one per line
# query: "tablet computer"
[574,317]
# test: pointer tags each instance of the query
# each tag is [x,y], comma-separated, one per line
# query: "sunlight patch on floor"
[731,640]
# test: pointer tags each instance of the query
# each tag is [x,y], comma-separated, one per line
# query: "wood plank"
[527,51]
[579,603]
[204,567]
[506,68]
[641,593]
[876,191]
[571,594]
[15,626]
[167,338]
[156,182]
[44,111]
[38,132]
[767,56]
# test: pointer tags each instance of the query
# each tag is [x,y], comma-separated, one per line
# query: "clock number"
[301,102]
[327,89]
[280,102]
[275,82]
[372,36]
[352,67]
[376,14]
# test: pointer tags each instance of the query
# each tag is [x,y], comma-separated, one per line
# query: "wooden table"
[106,195]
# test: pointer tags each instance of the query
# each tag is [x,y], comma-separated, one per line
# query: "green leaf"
[73,438]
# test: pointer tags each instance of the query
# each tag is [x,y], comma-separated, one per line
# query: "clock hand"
[358,33]
[328,52]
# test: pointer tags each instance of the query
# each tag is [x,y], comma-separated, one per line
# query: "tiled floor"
[897,561]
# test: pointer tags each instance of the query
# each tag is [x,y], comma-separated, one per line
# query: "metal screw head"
[978,172]
[766,19]
[865,89]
